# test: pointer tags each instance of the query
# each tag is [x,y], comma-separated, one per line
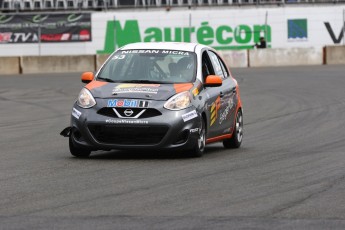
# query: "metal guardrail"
[48,5]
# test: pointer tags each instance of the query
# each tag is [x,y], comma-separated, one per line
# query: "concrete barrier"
[334,55]
[235,58]
[100,59]
[285,57]
[57,64]
[9,65]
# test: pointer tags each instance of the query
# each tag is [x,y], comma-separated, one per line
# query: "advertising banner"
[226,28]
[45,28]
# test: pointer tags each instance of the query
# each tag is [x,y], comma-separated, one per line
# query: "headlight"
[85,99]
[179,101]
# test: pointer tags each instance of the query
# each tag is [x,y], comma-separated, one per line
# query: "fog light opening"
[77,135]
[182,137]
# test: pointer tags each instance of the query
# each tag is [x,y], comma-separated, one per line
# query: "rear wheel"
[78,151]
[199,148]
[236,140]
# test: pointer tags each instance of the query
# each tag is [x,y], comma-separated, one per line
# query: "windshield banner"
[45,28]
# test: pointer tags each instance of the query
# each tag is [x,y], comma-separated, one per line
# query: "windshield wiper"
[105,79]
[142,81]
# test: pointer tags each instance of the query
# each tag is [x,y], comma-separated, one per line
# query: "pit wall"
[234,59]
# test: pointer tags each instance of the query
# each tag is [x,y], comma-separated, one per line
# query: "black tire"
[78,151]
[236,140]
[199,148]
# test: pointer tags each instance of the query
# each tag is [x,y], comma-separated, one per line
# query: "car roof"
[183,46]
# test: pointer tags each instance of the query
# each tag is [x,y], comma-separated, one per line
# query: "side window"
[218,65]
[225,70]
[207,68]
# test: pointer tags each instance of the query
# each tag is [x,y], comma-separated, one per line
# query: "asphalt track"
[289,173]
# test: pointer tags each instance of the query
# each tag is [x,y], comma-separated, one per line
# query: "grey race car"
[157,96]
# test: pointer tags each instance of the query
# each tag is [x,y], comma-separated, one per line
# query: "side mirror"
[213,81]
[87,77]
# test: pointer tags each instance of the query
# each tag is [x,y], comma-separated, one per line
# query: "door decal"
[214,110]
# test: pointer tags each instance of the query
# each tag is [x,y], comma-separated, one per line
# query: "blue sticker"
[127,103]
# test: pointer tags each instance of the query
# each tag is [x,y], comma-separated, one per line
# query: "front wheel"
[78,151]
[236,140]
[199,148]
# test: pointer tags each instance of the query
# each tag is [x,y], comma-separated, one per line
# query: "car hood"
[162,92]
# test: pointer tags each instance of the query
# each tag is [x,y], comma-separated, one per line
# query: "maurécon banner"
[45,28]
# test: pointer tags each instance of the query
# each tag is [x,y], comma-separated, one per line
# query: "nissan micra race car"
[157,96]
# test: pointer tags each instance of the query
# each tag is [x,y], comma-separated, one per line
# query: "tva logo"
[335,39]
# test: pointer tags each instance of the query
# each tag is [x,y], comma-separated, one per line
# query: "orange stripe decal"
[214,110]
[219,138]
[182,87]
[95,84]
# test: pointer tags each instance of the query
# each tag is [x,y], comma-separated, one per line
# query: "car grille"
[109,112]
[128,135]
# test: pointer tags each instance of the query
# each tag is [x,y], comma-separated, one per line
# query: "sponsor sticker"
[127,103]
[76,113]
[136,88]
[189,116]
[195,92]
[177,52]
[123,121]
[194,130]
[223,116]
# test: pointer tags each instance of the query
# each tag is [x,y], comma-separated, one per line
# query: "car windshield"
[149,66]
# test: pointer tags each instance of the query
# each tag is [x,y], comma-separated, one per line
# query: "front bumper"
[170,130]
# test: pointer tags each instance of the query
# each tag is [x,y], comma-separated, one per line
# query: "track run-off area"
[288,174]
